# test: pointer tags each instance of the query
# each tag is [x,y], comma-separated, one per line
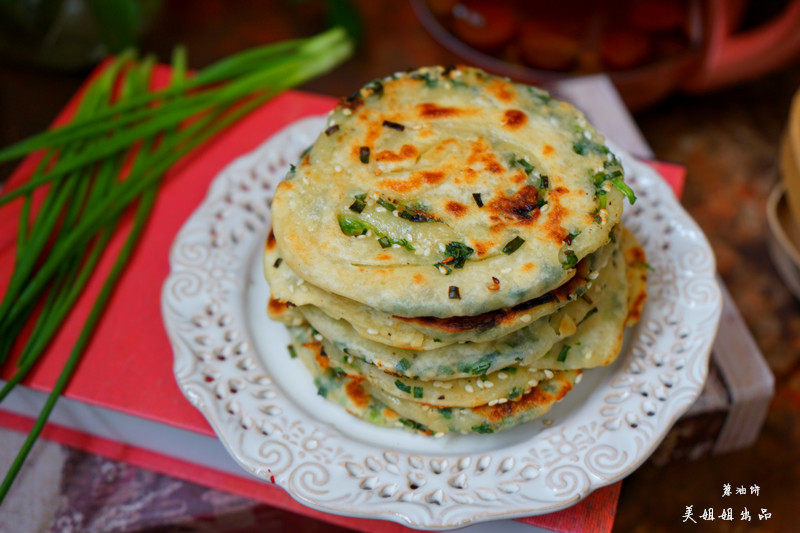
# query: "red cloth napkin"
[128,364]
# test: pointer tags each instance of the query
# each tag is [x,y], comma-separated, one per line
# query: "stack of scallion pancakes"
[448,255]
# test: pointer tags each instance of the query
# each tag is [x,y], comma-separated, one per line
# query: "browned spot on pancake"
[555,215]
[431,110]
[563,292]
[478,323]
[373,132]
[635,310]
[501,90]
[407,151]
[480,153]
[415,181]
[352,102]
[284,185]
[527,267]
[458,324]
[356,393]
[389,414]
[518,177]
[270,240]
[456,208]
[276,306]
[383,257]
[547,150]
[432,176]
[519,208]
[306,161]
[319,354]
[481,247]
[514,118]
[366,115]
[467,176]
[635,258]
[418,278]
[537,397]
[635,255]
[444,144]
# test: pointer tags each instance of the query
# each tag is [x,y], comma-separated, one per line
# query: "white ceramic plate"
[231,362]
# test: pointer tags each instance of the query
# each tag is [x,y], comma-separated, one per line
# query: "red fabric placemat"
[128,365]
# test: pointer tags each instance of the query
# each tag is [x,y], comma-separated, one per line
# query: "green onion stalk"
[109,159]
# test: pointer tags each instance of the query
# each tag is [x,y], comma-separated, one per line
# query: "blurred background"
[710,83]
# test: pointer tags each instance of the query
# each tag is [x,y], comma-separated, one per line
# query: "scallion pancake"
[510,382]
[596,341]
[352,392]
[447,192]
[462,360]
[419,333]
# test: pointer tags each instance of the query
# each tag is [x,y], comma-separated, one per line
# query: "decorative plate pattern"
[231,362]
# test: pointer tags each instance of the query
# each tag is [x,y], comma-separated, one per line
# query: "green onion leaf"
[584,146]
[570,259]
[480,366]
[375,87]
[352,226]
[626,190]
[598,178]
[416,215]
[393,125]
[562,355]
[524,165]
[386,205]
[602,199]
[358,205]
[513,245]
[455,255]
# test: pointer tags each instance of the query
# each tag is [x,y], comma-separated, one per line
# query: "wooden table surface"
[728,141]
